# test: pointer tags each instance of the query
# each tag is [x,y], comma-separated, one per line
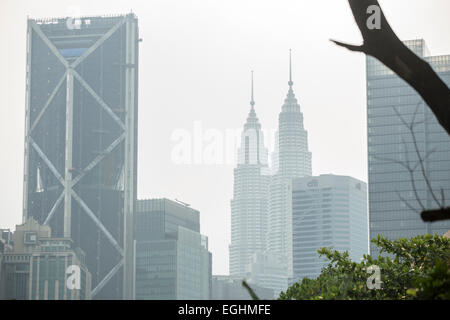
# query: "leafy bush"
[416,268]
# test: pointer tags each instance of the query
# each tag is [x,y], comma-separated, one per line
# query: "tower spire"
[290,83]
[252,101]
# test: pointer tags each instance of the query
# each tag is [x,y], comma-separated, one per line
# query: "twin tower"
[261,213]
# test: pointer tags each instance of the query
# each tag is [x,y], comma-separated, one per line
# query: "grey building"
[172,257]
[39,267]
[327,211]
[7,236]
[230,288]
[269,270]
[81,140]
[396,199]
[4,248]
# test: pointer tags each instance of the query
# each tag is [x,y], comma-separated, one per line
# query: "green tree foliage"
[416,268]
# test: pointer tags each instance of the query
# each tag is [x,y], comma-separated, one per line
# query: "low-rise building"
[39,267]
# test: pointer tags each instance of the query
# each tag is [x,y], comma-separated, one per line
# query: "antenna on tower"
[290,83]
[252,101]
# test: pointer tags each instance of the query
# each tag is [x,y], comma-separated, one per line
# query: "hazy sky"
[195,62]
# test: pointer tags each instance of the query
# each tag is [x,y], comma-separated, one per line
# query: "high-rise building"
[40,267]
[292,160]
[327,211]
[249,203]
[81,140]
[172,257]
[395,197]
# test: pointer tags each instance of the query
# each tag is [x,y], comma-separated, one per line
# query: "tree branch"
[384,45]
[350,47]
[436,215]
[250,290]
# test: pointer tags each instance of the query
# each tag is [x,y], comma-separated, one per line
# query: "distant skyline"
[195,62]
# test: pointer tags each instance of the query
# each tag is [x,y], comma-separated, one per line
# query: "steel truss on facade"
[81,141]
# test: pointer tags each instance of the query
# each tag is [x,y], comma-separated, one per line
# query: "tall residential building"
[391,147]
[327,211]
[172,257]
[81,140]
[293,160]
[249,203]
[41,267]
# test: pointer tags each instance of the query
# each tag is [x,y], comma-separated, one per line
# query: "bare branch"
[400,117]
[411,170]
[393,160]
[413,121]
[427,155]
[384,45]
[411,175]
[350,47]
[436,215]
[422,167]
[406,202]
[250,290]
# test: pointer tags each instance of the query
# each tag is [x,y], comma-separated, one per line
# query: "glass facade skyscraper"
[80,168]
[396,198]
[327,211]
[172,257]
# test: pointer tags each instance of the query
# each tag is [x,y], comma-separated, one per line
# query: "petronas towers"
[261,213]
[249,203]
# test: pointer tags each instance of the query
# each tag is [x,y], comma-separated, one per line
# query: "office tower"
[81,140]
[327,211]
[394,208]
[293,160]
[39,267]
[230,288]
[249,203]
[172,257]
